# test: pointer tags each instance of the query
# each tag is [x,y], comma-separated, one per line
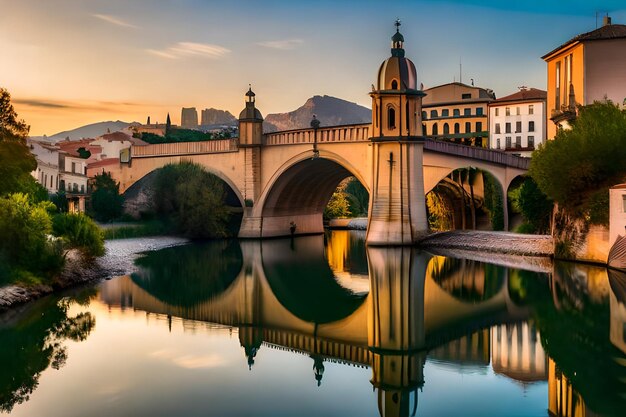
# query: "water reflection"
[418,314]
[34,340]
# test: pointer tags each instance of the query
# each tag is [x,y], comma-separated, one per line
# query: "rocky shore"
[118,260]
[493,242]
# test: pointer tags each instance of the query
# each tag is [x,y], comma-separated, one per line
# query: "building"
[189,118]
[589,67]
[517,122]
[47,171]
[457,112]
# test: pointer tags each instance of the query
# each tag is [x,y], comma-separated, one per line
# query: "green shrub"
[106,202]
[26,247]
[79,231]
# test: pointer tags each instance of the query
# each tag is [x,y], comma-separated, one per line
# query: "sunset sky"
[67,63]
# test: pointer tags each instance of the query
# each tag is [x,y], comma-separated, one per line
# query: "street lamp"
[315,124]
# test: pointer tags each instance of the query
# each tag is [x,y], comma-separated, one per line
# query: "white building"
[517,122]
[47,171]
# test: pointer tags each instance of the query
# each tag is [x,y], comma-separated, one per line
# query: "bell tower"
[251,140]
[397,203]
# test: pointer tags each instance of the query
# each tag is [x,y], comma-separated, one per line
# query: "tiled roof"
[602,33]
[103,162]
[523,95]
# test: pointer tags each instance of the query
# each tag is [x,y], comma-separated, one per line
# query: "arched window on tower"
[457,128]
[407,117]
[391,118]
[394,85]
[435,129]
[446,129]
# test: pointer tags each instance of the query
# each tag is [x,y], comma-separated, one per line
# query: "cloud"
[188,49]
[99,106]
[283,44]
[114,20]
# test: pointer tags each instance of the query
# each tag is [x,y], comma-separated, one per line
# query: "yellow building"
[589,67]
[458,113]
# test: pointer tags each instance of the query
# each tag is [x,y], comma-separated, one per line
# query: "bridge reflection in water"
[388,311]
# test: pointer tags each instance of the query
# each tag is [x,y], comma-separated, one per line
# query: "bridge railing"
[488,155]
[184,148]
[346,133]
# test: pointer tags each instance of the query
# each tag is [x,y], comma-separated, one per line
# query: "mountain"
[90,131]
[217,117]
[330,111]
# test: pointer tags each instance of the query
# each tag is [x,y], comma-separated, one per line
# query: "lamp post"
[315,124]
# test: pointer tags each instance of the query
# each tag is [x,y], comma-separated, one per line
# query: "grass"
[140,229]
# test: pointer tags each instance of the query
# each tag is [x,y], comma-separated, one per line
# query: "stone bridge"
[286,178]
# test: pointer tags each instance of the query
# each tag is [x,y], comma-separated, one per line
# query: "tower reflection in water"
[302,296]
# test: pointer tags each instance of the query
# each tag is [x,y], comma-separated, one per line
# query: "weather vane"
[398,23]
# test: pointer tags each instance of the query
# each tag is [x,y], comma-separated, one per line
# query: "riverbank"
[493,242]
[118,260]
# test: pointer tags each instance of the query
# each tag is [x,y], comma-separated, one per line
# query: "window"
[406,116]
[498,140]
[424,116]
[518,141]
[507,128]
[518,127]
[82,188]
[507,111]
[457,128]
[466,96]
[531,142]
[624,203]
[73,166]
[445,113]
[435,130]
[424,130]
[517,110]
[433,114]
[62,185]
[497,111]
[456,112]
[391,118]
[479,111]
[446,129]
[531,109]
[531,126]
[479,126]
[498,128]
[557,97]
[394,85]
[467,112]
[468,127]
[507,142]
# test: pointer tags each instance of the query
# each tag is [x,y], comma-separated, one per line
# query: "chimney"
[606,20]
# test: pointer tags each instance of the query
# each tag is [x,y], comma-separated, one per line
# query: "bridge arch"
[135,190]
[299,191]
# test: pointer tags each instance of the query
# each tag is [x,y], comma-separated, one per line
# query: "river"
[320,326]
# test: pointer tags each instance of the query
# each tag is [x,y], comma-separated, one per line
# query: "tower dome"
[397,72]
[250,112]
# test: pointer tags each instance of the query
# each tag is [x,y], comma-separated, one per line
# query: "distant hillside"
[330,111]
[217,117]
[90,131]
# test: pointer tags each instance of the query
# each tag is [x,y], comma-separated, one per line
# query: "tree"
[16,160]
[533,205]
[193,198]
[337,207]
[584,161]
[106,201]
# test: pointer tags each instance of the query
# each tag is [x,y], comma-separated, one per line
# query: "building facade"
[457,112]
[517,122]
[589,67]
[189,118]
